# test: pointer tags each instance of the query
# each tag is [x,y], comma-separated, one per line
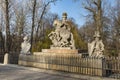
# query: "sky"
[73,9]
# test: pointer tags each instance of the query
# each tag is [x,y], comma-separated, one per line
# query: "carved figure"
[62,37]
[25,46]
[96,47]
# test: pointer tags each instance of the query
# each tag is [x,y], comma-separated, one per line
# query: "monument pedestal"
[58,51]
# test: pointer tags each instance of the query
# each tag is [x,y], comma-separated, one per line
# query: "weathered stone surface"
[60,51]
[62,36]
[25,46]
[96,47]
[60,48]
[6,58]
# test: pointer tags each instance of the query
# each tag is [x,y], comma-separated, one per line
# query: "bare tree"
[33,25]
[87,31]
[115,17]
[95,7]
[7,26]
[45,5]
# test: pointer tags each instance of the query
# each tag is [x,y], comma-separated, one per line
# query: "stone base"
[54,54]
[58,50]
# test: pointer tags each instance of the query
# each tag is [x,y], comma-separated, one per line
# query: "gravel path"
[12,72]
[16,72]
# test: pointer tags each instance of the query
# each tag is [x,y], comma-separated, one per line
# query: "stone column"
[6,58]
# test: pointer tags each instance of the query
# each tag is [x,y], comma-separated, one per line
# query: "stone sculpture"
[25,46]
[62,36]
[96,47]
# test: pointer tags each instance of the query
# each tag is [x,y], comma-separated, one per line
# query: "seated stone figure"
[25,46]
[96,47]
[62,37]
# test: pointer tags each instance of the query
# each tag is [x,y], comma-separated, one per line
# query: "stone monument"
[62,54]
[96,47]
[62,36]
[25,46]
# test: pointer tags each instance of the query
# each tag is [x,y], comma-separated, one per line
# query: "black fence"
[13,57]
[112,67]
[1,58]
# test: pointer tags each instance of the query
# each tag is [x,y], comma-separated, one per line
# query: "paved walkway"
[15,72]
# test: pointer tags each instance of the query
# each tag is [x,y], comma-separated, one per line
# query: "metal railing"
[13,58]
[112,67]
[1,58]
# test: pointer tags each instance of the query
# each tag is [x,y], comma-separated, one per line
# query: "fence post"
[6,58]
[104,67]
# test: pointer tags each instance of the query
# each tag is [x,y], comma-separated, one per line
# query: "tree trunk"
[33,21]
[97,14]
[7,38]
[41,17]
[39,23]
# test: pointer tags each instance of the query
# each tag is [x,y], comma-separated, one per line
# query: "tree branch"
[90,9]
